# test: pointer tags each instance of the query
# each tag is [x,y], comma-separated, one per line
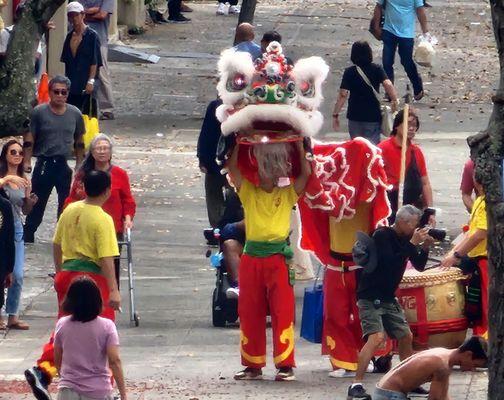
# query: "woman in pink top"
[86,346]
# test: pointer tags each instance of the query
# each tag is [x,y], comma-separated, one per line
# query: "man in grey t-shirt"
[56,130]
[98,18]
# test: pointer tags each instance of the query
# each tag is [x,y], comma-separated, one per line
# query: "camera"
[437,234]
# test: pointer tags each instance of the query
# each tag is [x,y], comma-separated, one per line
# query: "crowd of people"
[96,206]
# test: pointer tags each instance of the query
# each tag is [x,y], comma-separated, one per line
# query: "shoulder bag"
[386,111]
[381,22]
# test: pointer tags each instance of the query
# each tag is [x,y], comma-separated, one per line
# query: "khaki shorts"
[70,394]
[385,317]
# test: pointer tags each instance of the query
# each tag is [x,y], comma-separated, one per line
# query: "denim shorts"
[233,231]
[386,317]
[384,394]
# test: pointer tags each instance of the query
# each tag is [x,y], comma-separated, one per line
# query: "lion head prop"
[268,104]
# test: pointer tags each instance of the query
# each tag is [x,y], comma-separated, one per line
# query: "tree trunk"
[17,89]
[246,13]
[487,150]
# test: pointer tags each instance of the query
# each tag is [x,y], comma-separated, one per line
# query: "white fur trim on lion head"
[309,74]
[236,70]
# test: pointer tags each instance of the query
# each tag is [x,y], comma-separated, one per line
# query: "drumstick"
[403,148]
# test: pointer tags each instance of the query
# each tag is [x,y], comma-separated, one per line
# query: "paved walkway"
[176,353]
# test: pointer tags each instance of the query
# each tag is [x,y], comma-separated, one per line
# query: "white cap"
[75,6]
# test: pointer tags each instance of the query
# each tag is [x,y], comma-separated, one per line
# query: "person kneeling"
[386,256]
[433,365]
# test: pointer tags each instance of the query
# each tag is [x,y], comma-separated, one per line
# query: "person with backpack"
[417,186]
[384,257]
[361,86]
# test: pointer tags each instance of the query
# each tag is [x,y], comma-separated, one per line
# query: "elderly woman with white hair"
[121,205]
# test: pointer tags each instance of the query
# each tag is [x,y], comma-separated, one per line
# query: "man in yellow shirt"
[84,244]
[474,246]
[264,274]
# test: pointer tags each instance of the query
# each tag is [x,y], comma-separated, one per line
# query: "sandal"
[419,95]
[107,115]
[18,326]
[3,327]
[249,374]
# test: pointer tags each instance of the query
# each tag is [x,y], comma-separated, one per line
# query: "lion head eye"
[291,87]
[261,93]
[279,94]
[307,89]
[237,83]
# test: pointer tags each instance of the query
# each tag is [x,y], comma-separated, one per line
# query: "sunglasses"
[16,153]
[61,92]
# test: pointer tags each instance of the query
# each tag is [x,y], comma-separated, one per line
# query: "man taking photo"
[384,258]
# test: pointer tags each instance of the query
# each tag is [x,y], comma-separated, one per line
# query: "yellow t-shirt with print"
[267,215]
[478,221]
[86,232]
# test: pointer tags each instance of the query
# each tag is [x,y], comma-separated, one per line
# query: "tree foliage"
[17,89]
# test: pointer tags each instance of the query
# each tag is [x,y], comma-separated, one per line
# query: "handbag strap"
[368,82]
[317,276]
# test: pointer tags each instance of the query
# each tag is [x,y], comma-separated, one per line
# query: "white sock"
[355,384]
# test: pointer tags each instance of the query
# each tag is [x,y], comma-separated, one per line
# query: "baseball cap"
[75,6]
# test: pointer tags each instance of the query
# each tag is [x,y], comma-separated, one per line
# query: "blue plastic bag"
[312,316]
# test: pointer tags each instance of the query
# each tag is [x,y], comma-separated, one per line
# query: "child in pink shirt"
[85,346]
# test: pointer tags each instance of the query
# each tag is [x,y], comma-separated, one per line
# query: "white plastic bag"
[424,53]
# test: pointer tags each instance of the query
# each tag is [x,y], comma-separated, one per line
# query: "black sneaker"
[285,374]
[38,383]
[419,392]
[357,393]
[179,19]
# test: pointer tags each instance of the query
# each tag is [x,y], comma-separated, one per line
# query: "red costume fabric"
[119,204]
[481,329]
[62,282]
[345,175]
[264,286]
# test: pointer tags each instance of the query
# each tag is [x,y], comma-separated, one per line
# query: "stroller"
[224,309]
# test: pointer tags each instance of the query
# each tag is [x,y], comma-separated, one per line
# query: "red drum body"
[433,302]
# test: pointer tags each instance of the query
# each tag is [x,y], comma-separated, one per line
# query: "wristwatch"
[457,255]
[91,81]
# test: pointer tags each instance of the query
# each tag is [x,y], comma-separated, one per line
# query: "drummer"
[384,258]
[473,248]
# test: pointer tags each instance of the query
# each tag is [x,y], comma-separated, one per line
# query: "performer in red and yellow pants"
[341,337]
[481,329]
[62,282]
[342,334]
[264,285]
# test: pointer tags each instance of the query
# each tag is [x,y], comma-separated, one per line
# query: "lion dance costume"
[346,194]
[269,105]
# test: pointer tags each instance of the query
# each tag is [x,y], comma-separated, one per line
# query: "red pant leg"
[282,309]
[252,309]
[62,282]
[341,337]
[482,328]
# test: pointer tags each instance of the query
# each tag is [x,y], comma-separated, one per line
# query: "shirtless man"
[433,366]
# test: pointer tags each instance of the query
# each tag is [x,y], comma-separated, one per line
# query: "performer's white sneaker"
[221,9]
[341,373]
[234,10]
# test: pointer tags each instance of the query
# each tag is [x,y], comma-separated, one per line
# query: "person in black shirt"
[7,248]
[364,114]
[379,310]
[82,58]
[215,182]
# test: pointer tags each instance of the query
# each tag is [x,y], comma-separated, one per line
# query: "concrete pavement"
[176,353]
